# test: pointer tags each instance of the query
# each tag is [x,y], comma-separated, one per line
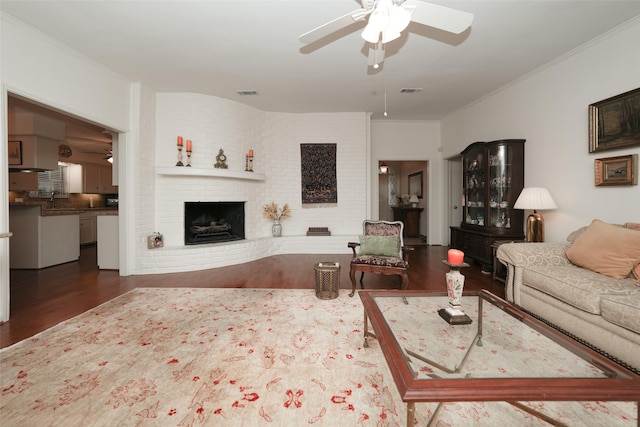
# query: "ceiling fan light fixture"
[370,34]
[389,35]
[399,18]
[379,19]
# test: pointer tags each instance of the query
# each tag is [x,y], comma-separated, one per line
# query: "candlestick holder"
[249,164]
[179,156]
[455,284]
[188,159]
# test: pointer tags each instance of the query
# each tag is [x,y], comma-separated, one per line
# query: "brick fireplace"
[213,222]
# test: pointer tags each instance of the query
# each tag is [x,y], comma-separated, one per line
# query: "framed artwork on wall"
[318,172]
[615,122]
[415,184]
[15,152]
[620,170]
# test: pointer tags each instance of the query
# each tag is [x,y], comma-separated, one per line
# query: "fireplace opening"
[210,222]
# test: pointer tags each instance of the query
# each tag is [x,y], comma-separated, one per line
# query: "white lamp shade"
[535,198]
[414,199]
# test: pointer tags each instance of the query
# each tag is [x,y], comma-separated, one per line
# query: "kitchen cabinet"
[98,180]
[23,181]
[493,177]
[411,219]
[42,241]
[106,180]
[88,229]
[74,178]
[108,242]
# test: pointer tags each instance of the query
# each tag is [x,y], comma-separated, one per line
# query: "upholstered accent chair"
[380,251]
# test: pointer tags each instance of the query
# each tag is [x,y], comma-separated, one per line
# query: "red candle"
[455,256]
[250,153]
[189,145]
[179,141]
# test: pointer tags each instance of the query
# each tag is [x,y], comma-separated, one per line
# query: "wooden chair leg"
[405,285]
[405,281]
[352,276]
[361,277]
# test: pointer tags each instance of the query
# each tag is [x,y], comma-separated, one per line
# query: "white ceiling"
[221,47]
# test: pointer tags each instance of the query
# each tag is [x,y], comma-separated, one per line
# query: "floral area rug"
[229,357]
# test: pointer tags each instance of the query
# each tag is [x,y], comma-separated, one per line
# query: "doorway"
[455,193]
[398,178]
[85,142]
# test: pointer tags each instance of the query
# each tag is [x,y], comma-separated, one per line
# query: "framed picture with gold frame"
[620,170]
[614,123]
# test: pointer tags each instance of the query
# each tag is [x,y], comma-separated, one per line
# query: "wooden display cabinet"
[493,177]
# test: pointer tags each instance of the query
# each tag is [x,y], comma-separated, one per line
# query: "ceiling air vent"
[247,92]
[410,90]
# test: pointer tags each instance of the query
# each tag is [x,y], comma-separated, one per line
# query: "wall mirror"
[415,184]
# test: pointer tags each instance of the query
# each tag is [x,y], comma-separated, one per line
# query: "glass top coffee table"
[503,355]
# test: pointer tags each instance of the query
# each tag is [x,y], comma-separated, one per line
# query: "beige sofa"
[601,307]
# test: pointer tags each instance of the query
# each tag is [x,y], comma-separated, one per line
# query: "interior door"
[455,192]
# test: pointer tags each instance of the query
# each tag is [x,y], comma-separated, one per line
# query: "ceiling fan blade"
[98,140]
[333,26]
[444,18]
[376,54]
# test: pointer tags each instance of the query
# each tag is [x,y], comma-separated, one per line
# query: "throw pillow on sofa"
[606,249]
[636,270]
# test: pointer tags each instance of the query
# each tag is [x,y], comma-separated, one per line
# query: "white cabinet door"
[108,242]
[74,178]
[87,229]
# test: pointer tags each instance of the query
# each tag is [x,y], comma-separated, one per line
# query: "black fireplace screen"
[210,222]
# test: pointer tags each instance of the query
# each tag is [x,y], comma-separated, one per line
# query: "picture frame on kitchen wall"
[15,153]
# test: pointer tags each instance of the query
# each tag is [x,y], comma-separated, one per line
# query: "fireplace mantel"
[218,173]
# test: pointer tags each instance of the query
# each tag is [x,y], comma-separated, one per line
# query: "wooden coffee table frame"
[620,385]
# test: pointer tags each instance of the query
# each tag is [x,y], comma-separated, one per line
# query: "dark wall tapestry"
[319,182]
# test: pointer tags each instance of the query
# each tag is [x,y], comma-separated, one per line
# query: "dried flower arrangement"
[273,212]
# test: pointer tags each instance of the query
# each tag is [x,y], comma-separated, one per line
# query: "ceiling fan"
[388,18]
[107,153]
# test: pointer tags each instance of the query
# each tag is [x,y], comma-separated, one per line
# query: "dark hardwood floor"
[43,298]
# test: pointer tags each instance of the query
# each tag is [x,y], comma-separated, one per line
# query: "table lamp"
[535,198]
[414,200]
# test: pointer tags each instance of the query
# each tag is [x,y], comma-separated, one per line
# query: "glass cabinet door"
[474,187]
[499,164]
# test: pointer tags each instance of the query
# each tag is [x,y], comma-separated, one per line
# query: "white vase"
[455,285]
[276,229]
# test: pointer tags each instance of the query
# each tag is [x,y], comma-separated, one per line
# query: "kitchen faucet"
[53,200]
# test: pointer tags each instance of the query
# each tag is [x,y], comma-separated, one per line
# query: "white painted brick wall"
[144,175]
[213,123]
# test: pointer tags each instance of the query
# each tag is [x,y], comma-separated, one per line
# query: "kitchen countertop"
[45,211]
